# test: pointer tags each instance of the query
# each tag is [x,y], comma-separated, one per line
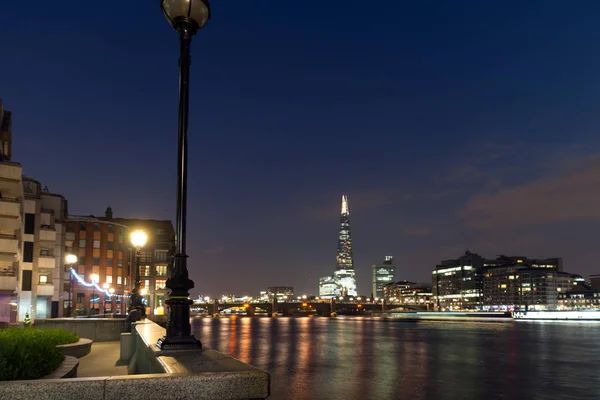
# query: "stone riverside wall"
[96,329]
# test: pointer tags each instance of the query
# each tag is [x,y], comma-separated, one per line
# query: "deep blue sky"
[450,124]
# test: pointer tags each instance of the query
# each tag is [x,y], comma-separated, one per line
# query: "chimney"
[108,213]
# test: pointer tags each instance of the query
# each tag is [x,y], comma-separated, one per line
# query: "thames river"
[361,358]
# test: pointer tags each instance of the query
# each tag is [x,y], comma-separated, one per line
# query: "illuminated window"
[82,243]
[96,244]
[118,280]
[109,279]
[43,279]
[511,277]
[161,284]
[146,283]
[161,270]
[145,270]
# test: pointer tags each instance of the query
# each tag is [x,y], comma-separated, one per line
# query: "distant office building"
[595,281]
[328,287]
[520,287]
[383,274]
[280,292]
[5,134]
[344,275]
[457,284]
[580,297]
[417,295]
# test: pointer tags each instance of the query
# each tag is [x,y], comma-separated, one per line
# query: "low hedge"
[31,353]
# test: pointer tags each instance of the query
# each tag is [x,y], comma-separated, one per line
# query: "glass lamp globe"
[195,10]
[71,258]
[138,239]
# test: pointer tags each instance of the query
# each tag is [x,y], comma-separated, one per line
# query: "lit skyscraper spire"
[345,210]
[345,259]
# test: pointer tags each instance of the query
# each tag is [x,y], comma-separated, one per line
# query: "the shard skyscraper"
[343,281]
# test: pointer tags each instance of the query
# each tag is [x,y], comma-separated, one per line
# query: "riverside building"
[458,284]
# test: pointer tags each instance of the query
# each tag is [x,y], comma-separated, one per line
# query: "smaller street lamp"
[95,279]
[105,286]
[70,260]
[138,240]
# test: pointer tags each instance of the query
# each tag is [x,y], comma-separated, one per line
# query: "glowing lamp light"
[138,239]
[111,291]
[106,286]
[95,278]
[71,258]
[144,292]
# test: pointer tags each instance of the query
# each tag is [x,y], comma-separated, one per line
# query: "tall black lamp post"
[71,259]
[138,240]
[186,17]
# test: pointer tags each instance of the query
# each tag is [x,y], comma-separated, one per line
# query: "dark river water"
[361,358]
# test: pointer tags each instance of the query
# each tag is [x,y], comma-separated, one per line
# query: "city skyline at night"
[433,118]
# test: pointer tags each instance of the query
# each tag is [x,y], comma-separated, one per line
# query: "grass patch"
[31,353]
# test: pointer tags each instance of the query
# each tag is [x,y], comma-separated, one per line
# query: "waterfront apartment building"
[383,274]
[155,258]
[11,198]
[520,287]
[104,249]
[280,292]
[42,288]
[104,258]
[458,285]
[5,134]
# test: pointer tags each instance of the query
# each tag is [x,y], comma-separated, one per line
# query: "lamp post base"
[178,335]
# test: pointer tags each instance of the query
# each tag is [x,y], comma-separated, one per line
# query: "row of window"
[111,228]
[161,270]
[96,261]
[83,227]
[96,244]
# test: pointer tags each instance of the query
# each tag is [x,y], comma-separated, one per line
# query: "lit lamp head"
[138,239]
[71,259]
[111,291]
[95,278]
[186,16]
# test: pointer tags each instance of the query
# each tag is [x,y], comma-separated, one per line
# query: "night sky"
[449,124]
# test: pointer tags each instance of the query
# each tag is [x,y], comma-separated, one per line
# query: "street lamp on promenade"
[186,17]
[105,286]
[95,279]
[138,240]
[70,260]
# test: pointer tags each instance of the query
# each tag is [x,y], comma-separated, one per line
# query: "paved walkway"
[102,361]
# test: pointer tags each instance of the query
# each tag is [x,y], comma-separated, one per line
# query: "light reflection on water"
[362,358]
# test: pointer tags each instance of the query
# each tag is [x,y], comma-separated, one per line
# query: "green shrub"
[60,336]
[31,353]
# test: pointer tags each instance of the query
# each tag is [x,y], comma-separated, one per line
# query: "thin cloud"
[417,231]
[565,197]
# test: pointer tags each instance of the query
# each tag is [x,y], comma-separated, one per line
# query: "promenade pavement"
[103,360]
